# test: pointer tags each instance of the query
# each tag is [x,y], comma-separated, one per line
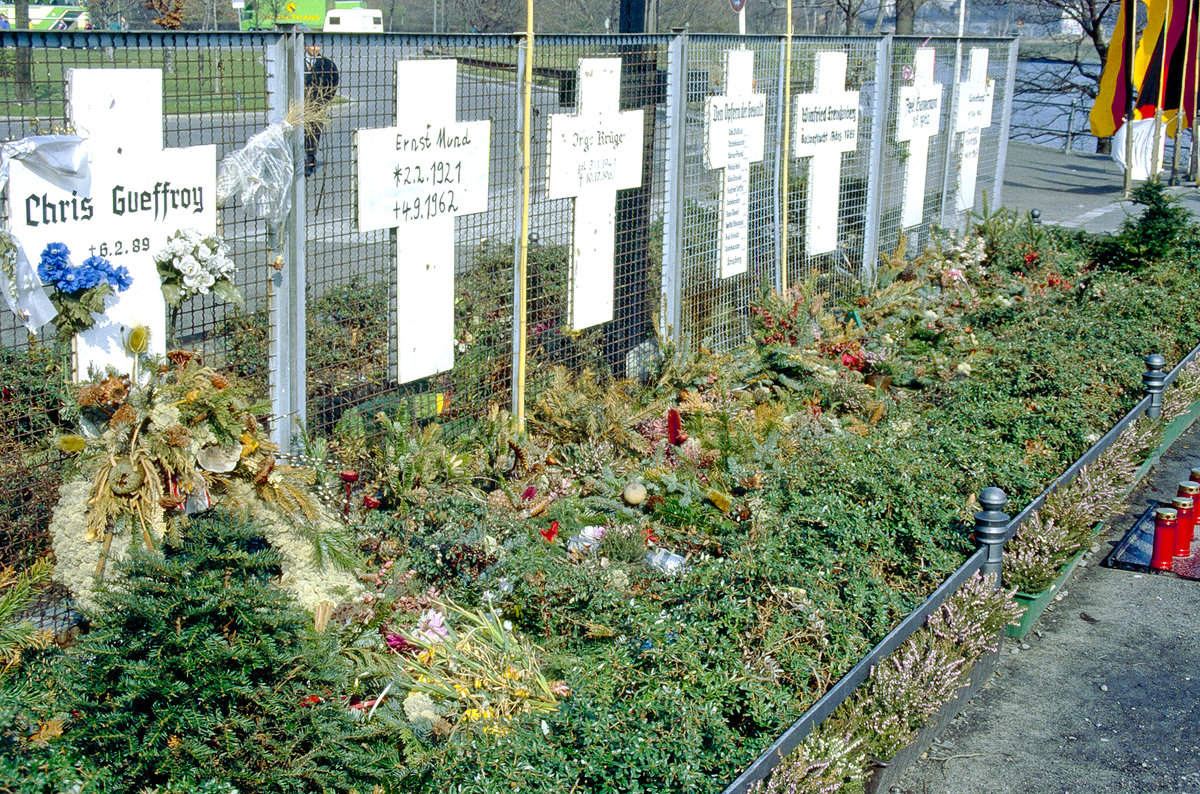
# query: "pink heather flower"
[529,493]
[431,627]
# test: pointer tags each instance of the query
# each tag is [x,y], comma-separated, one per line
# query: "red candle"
[1166,520]
[1185,507]
[1190,490]
[1195,474]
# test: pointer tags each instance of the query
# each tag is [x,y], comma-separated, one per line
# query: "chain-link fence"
[693,218]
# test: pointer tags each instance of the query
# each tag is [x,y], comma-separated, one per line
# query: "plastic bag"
[260,174]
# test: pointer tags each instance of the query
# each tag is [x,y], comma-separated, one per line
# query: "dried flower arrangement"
[184,438]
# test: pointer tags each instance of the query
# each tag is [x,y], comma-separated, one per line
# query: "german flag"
[1178,85]
[1108,113]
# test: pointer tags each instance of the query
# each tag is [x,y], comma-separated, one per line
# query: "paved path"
[1104,695]
[1072,189]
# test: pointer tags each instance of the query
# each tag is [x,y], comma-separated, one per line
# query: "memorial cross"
[974,115]
[919,118]
[826,126]
[593,154]
[135,194]
[735,133]
[417,177]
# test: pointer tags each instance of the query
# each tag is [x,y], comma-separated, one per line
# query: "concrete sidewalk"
[1072,189]
[1104,695]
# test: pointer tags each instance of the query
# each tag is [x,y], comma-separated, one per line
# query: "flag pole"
[1130,88]
[1195,86]
[1159,144]
[1181,113]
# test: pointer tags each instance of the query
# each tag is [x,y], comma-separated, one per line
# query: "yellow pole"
[1156,159]
[1181,113]
[787,144]
[523,243]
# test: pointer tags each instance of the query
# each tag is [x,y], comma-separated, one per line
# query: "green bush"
[197,666]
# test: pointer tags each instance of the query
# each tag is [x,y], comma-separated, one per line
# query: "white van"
[354,20]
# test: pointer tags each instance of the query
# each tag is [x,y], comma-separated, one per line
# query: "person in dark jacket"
[320,86]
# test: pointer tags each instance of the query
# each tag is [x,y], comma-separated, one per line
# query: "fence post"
[1005,123]
[881,107]
[286,293]
[991,529]
[1154,381]
[676,184]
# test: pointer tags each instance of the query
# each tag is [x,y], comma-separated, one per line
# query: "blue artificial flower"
[55,261]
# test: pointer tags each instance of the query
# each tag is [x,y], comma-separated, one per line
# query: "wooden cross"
[734,136]
[826,126]
[592,155]
[417,177]
[137,195]
[919,118]
[974,115]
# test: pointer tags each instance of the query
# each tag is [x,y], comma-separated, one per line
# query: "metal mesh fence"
[331,336]
[713,300]
[354,277]
[833,272]
[626,200]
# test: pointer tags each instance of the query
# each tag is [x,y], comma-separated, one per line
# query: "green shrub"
[196,665]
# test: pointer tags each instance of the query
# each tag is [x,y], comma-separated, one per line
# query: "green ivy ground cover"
[818,484]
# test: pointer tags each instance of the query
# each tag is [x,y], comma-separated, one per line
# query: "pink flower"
[529,493]
[431,627]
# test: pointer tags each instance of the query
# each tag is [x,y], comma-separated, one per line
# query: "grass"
[194,81]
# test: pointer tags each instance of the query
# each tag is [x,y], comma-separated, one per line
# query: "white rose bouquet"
[192,264]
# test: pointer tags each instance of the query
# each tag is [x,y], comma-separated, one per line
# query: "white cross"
[919,119]
[974,115]
[826,125]
[137,194]
[593,154]
[735,132]
[417,177]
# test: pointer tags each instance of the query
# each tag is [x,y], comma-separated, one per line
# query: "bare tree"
[906,15]
[1072,69]
[23,59]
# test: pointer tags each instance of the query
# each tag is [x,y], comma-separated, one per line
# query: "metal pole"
[1159,144]
[787,149]
[952,135]
[991,530]
[1130,89]
[287,287]
[520,285]
[672,257]
[883,61]
[1181,112]
[1005,123]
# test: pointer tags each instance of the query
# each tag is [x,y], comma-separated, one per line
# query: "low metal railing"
[993,528]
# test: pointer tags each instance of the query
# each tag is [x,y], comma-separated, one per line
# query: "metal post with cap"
[991,529]
[1154,381]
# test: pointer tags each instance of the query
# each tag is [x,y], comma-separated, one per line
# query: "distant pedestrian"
[320,86]
[4,22]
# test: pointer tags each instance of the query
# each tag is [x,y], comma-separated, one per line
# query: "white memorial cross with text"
[593,154]
[417,177]
[826,126]
[974,115]
[735,133]
[919,117]
[137,194]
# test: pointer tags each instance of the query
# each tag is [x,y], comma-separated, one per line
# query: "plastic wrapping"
[260,174]
[62,160]
[1146,161]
